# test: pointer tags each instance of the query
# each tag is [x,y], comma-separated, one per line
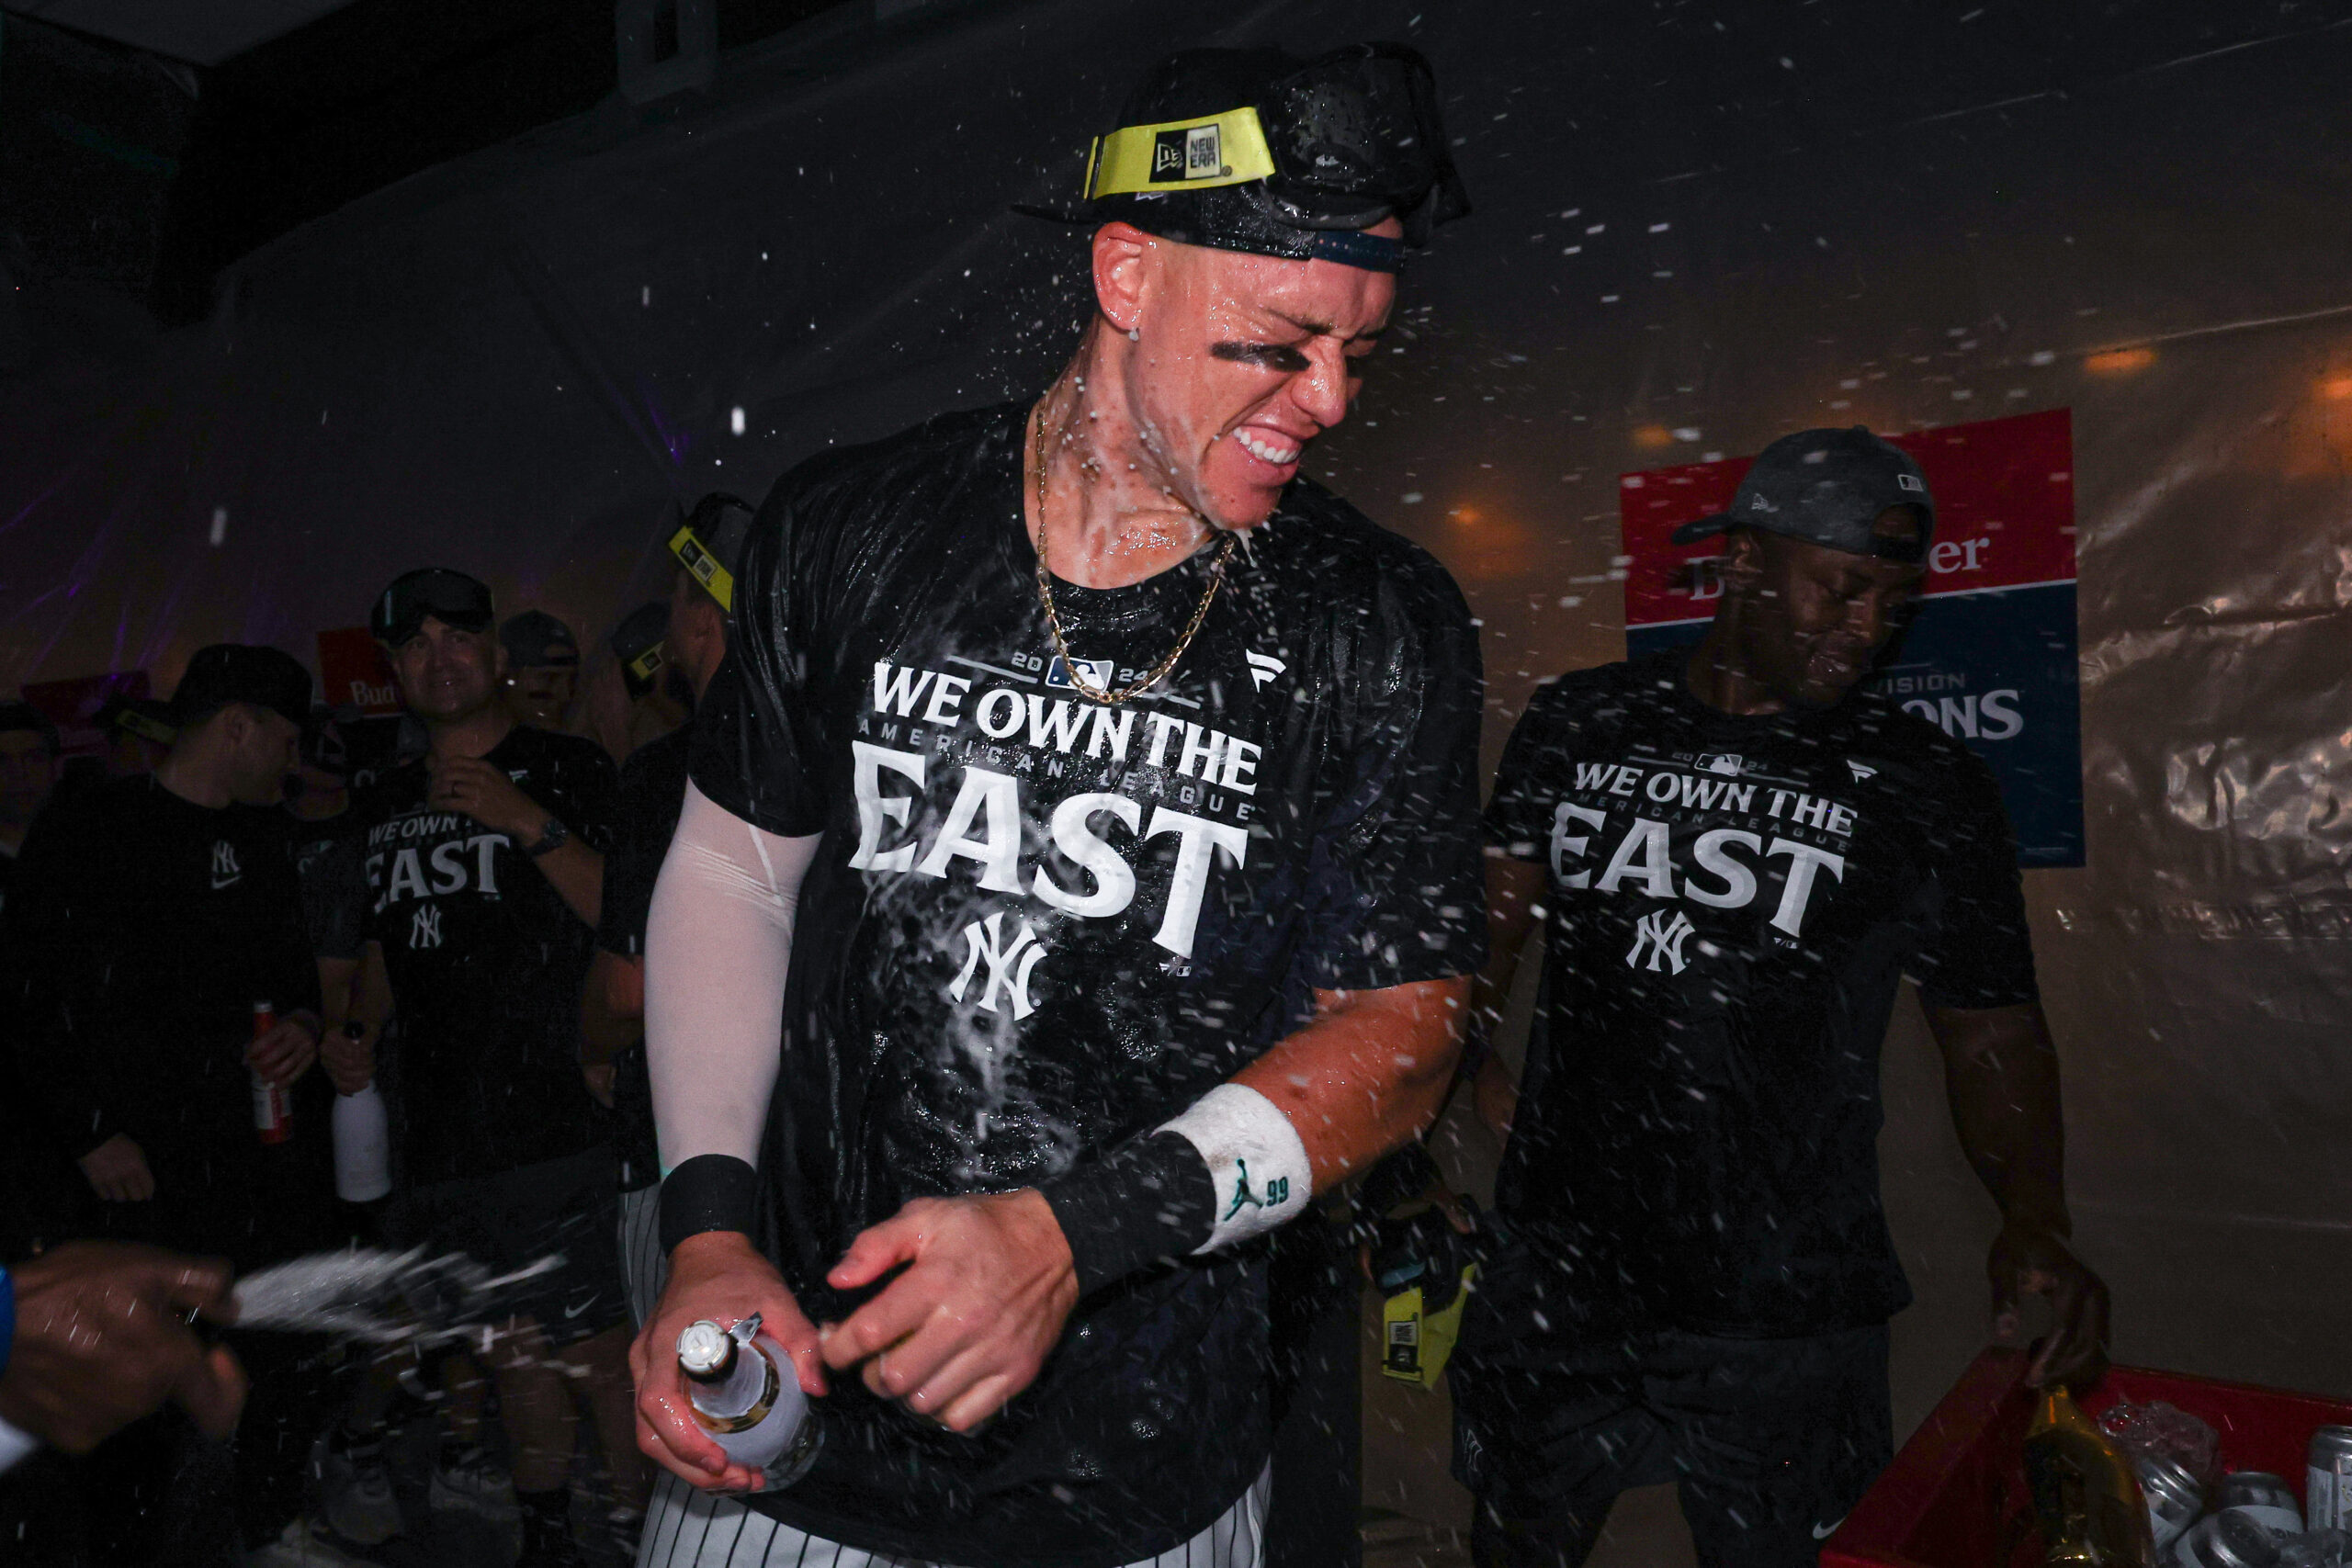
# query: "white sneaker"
[356,1496]
[301,1544]
[475,1484]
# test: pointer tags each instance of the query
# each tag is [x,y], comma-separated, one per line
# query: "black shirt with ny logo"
[1037,926]
[142,929]
[486,962]
[1732,902]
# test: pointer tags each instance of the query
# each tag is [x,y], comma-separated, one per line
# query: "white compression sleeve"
[718,945]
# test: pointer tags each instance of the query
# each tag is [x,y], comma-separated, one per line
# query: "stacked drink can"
[2202,1516]
[2253,1520]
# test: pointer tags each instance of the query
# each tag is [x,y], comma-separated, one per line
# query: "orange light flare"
[2336,388]
[2119,361]
[1653,437]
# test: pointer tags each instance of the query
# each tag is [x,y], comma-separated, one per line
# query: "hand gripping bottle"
[273,1111]
[363,1153]
[747,1396]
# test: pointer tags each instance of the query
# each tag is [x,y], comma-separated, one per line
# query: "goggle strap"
[1349,247]
[698,558]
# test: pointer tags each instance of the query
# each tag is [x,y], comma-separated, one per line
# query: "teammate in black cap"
[485,869]
[150,915]
[542,668]
[1738,856]
[1135,876]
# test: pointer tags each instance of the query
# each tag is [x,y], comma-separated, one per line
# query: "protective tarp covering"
[1693,235]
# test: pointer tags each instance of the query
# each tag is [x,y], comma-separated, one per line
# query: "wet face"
[26,771]
[1812,619]
[1243,361]
[445,673]
[541,693]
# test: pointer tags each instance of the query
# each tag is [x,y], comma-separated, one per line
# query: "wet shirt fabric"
[146,927]
[487,963]
[1037,927]
[332,867]
[652,793]
[1732,903]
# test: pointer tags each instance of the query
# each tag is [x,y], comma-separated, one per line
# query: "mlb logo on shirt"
[1098,673]
[1730,764]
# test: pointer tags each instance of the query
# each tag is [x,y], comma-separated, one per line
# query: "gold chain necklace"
[1103,696]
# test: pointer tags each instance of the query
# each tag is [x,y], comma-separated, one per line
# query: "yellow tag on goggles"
[697,558]
[646,664]
[1227,148]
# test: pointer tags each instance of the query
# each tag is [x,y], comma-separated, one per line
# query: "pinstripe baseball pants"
[687,1529]
[644,1268]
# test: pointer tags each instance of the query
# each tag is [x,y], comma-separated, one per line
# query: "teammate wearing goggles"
[1140,874]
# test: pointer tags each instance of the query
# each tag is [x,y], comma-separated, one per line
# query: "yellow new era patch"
[1225,148]
[696,557]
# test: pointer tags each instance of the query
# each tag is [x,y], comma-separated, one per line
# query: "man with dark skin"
[1697,1274]
[1210,990]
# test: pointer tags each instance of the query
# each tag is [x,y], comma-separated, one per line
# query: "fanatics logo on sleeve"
[1263,667]
[226,872]
[1861,769]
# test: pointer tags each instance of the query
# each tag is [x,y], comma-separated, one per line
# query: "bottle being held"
[363,1145]
[273,1110]
[746,1395]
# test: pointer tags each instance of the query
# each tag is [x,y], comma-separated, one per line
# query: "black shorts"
[1769,1442]
[569,1206]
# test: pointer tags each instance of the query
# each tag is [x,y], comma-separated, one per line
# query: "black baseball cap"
[1827,486]
[1259,151]
[534,638]
[236,672]
[450,597]
[636,643]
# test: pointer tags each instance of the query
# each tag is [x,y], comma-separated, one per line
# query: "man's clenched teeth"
[1268,451]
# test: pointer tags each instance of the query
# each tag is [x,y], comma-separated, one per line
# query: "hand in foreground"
[350,1063]
[2034,1260]
[987,1286]
[720,1276]
[118,1171]
[286,1052]
[483,792]
[99,1344]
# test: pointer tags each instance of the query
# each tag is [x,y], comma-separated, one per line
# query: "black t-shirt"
[146,927]
[1037,927]
[1732,903]
[330,863]
[652,793]
[487,962]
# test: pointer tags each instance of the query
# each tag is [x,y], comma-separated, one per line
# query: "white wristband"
[1256,1162]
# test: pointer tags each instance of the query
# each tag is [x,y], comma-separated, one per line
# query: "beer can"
[2226,1540]
[273,1111]
[2260,1497]
[2327,1479]
[2173,1497]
